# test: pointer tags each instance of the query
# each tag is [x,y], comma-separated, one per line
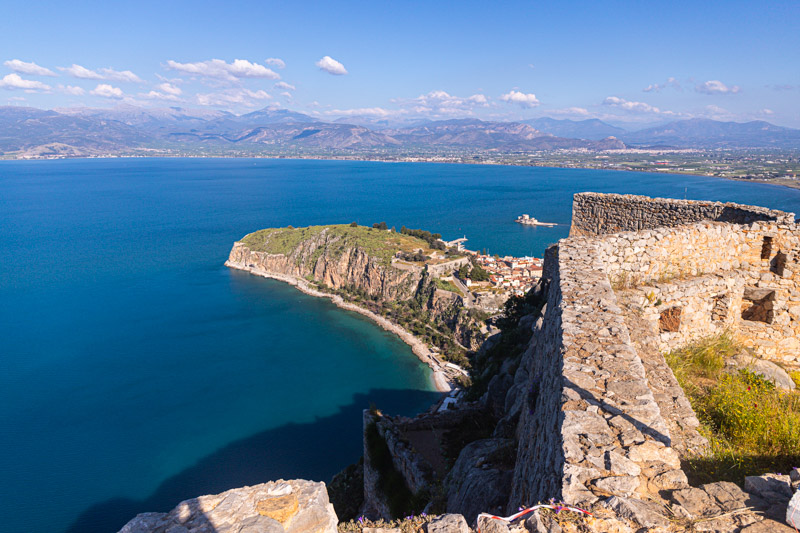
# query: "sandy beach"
[420,349]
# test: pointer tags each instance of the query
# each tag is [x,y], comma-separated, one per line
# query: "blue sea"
[138,371]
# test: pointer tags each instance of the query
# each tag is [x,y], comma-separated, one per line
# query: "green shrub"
[399,497]
[751,426]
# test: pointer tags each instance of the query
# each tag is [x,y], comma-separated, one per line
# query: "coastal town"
[510,275]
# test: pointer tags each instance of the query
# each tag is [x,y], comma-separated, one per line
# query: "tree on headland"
[380,225]
[354,224]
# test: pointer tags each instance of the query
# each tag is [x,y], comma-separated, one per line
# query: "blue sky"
[625,62]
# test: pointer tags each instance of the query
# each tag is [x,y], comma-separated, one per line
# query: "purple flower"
[360,519]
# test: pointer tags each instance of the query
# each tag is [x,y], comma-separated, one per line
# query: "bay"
[139,371]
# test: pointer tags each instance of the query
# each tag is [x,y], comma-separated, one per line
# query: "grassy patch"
[375,242]
[445,285]
[751,426]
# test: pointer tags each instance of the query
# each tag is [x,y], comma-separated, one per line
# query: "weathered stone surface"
[237,511]
[280,508]
[646,514]
[475,484]
[491,525]
[769,487]
[618,485]
[767,526]
[380,530]
[536,523]
[793,511]
[448,523]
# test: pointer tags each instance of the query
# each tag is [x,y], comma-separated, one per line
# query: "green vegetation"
[445,285]
[399,497]
[475,273]
[751,426]
[377,243]
[346,491]
[431,238]
[795,377]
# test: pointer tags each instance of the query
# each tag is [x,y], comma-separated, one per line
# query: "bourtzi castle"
[590,414]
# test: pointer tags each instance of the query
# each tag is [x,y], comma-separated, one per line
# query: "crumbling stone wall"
[598,214]
[747,272]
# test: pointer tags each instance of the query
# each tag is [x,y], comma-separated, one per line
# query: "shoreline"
[420,349]
[776,183]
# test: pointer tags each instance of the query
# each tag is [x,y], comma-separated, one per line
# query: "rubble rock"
[449,523]
[646,514]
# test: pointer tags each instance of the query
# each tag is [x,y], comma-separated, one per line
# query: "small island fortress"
[530,221]
[583,410]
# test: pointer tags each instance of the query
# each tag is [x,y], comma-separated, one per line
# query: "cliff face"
[326,259]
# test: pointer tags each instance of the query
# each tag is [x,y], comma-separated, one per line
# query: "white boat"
[530,221]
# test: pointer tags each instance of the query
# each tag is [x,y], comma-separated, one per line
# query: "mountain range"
[128,129]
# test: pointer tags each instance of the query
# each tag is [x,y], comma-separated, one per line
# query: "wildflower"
[360,519]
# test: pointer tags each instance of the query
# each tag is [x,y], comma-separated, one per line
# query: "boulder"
[767,369]
[793,511]
[296,506]
[448,523]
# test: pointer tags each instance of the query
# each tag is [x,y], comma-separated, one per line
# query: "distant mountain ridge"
[86,131]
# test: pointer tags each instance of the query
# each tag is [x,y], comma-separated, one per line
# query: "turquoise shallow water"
[138,371]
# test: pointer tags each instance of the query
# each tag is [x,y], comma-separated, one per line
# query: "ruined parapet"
[599,214]
[417,473]
[591,430]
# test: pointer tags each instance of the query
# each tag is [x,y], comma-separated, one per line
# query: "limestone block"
[448,523]
[793,511]
[646,514]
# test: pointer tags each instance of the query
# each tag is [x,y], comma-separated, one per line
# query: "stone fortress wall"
[600,214]
[602,422]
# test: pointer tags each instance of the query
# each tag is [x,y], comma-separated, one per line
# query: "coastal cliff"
[396,276]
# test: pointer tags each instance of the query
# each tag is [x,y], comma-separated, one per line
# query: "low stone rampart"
[598,214]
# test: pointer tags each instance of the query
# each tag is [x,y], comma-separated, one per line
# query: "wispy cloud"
[108,74]
[15,81]
[331,66]
[528,100]
[656,87]
[236,97]
[635,107]
[28,68]
[366,111]
[442,103]
[275,62]
[716,87]
[107,91]
[71,89]
[219,69]
[570,111]
[285,86]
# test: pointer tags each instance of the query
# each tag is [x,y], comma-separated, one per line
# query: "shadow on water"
[315,450]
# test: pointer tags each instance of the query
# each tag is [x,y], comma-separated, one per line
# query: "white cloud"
[516,97]
[275,62]
[169,88]
[656,87]
[284,85]
[71,89]
[570,111]
[155,95]
[365,111]
[244,97]
[331,66]
[635,107]
[28,68]
[14,81]
[286,94]
[79,71]
[120,75]
[219,69]
[716,87]
[766,111]
[107,91]
[443,103]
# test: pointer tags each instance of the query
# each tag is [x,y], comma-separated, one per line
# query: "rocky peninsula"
[393,278]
